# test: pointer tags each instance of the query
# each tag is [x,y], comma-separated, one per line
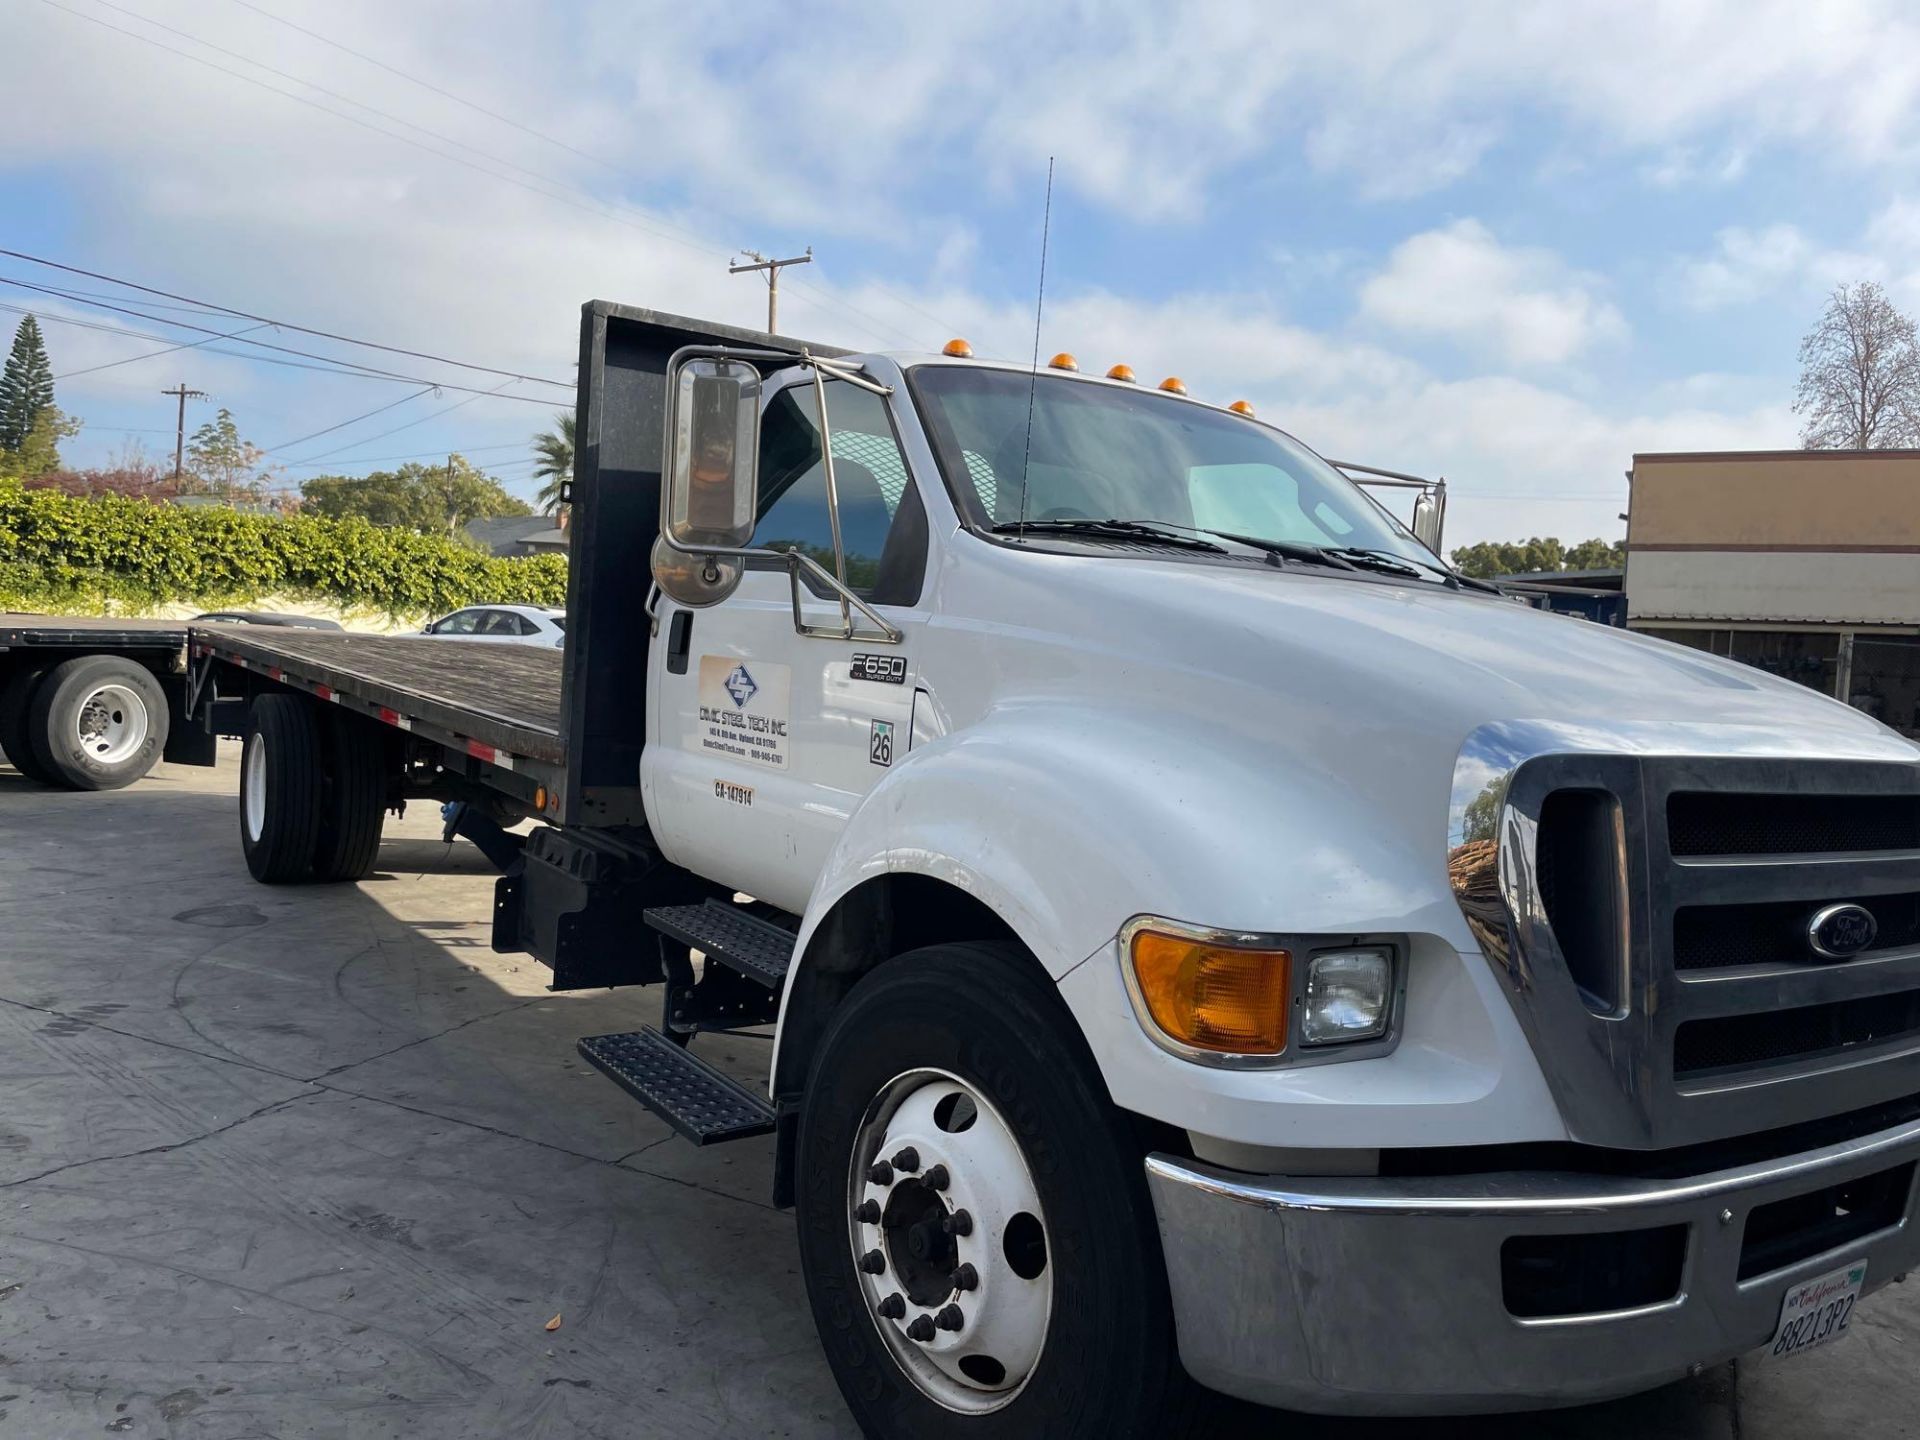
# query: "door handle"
[679,639]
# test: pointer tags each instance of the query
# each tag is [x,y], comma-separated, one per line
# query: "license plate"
[1818,1311]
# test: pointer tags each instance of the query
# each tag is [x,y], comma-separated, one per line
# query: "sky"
[1510,244]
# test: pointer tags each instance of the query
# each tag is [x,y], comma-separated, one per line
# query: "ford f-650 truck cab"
[1210,940]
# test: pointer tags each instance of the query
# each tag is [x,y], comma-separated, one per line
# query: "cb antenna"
[1033,378]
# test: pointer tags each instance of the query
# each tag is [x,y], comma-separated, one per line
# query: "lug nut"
[881,1173]
[950,1318]
[873,1262]
[936,1177]
[908,1160]
[921,1329]
[958,1223]
[869,1212]
[964,1278]
[893,1307]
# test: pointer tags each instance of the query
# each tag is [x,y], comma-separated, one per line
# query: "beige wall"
[1821,537]
[1805,499]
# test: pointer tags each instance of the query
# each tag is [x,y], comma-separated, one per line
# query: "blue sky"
[1511,244]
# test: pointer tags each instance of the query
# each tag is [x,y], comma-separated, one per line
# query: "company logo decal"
[741,687]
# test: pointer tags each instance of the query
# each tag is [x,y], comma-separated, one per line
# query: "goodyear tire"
[354,803]
[97,722]
[281,789]
[16,695]
[1014,1170]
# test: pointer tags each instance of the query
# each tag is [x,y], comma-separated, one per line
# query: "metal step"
[678,1086]
[726,933]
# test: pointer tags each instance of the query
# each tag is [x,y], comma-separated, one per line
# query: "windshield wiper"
[1112,530]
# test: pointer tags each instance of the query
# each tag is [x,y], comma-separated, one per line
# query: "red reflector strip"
[274,672]
[325,692]
[394,717]
[487,753]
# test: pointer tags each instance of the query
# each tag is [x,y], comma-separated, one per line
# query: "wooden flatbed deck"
[507,696]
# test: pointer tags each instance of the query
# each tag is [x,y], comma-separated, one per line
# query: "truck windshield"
[1105,452]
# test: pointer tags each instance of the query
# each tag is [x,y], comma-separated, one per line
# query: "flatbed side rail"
[528,778]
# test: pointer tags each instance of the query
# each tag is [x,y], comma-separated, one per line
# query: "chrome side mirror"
[711,496]
[1430,515]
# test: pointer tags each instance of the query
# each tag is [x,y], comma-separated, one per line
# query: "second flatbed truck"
[1213,946]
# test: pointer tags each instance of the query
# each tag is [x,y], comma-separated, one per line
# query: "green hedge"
[59,549]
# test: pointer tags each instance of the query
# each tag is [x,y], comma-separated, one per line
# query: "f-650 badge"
[887,669]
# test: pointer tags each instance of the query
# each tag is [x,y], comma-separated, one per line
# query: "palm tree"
[554,467]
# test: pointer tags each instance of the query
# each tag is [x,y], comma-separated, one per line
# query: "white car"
[511,624]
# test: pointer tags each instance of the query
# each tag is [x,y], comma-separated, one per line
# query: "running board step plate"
[726,933]
[678,1086]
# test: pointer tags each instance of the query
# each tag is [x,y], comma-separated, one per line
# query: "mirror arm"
[833,503]
[883,631]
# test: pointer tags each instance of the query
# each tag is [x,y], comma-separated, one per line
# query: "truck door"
[761,741]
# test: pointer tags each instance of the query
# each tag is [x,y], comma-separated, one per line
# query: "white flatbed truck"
[1213,946]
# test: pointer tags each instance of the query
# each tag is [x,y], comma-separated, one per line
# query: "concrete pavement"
[315,1162]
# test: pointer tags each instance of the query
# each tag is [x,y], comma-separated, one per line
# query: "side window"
[461,622]
[883,528]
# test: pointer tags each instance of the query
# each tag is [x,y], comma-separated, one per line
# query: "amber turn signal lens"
[1212,996]
[958,349]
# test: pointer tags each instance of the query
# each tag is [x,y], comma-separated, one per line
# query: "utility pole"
[183,394]
[773,268]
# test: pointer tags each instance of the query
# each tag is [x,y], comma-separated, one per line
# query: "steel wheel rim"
[253,787]
[1003,1312]
[111,724]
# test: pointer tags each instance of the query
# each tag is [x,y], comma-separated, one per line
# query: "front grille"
[1709,937]
[1772,1037]
[1726,822]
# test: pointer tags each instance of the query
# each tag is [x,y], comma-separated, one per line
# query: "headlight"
[1213,996]
[1349,996]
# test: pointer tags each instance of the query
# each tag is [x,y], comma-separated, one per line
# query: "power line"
[289,444]
[592,206]
[343,366]
[429,454]
[149,354]
[267,320]
[328,455]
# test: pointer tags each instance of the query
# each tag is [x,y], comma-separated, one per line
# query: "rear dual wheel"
[95,722]
[978,1243]
[312,792]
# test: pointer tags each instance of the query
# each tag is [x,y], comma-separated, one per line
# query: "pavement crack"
[423,1039]
[167,1148]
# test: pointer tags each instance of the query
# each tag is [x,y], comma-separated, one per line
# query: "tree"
[1506,557]
[26,385]
[554,468]
[39,453]
[221,461]
[432,499]
[1859,374]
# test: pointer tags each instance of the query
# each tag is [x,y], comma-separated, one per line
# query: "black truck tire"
[354,805]
[16,695]
[280,788]
[98,722]
[981,1021]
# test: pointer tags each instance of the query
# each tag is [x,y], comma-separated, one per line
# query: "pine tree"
[26,386]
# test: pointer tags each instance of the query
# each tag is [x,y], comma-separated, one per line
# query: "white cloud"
[1747,265]
[1460,282]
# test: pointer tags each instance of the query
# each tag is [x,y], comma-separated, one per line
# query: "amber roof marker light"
[957,349]
[1123,373]
[1174,385]
[1241,407]
[1063,361]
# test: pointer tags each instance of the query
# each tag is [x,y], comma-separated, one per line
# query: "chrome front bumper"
[1385,1296]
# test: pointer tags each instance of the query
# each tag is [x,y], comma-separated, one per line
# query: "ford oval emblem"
[1839,932]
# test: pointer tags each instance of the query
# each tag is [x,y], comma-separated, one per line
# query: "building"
[519,535]
[1805,563]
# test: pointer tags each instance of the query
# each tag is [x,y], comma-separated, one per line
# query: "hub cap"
[950,1244]
[111,724]
[253,786]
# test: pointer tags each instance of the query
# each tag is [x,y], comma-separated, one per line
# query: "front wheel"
[975,1230]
